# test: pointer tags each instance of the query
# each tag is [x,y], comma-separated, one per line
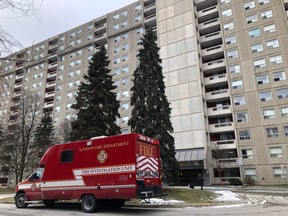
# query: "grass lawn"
[7,191]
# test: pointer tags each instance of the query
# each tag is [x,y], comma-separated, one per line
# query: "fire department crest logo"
[102,156]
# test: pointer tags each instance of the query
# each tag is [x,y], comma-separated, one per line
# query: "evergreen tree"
[151,111]
[96,103]
[44,135]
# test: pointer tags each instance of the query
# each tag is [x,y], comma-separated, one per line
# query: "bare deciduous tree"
[19,7]
[18,138]
[63,132]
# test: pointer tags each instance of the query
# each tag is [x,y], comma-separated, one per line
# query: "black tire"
[117,203]
[89,204]
[20,201]
[49,203]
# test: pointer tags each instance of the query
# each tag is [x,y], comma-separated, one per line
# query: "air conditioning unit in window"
[280,96]
[276,79]
[265,17]
[254,51]
[263,99]
[257,66]
[247,8]
[261,3]
[240,120]
[260,82]
[249,21]
[237,103]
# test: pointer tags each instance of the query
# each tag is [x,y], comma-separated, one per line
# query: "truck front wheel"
[20,201]
[89,204]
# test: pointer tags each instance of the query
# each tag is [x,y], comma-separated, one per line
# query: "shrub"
[235,181]
[249,181]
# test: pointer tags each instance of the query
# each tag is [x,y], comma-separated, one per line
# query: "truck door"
[35,179]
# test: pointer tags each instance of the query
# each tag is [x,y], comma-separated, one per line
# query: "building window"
[262,79]
[260,63]
[265,96]
[125,69]
[227,12]
[79,32]
[272,132]
[125,58]
[70,95]
[125,106]
[60,77]
[90,27]
[137,7]
[78,72]
[62,39]
[123,24]
[249,5]
[117,39]
[125,36]
[125,93]
[240,100]
[282,93]
[57,109]
[266,14]
[262,2]
[77,82]
[79,52]
[279,76]
[117,49]
[257,48]
[252,18]
[116,27]
[90,48]
[116,83]
[228,26]
[247,153]
[78,62]
[285,130]
[138,18]
[242,117]
[116,16]
[234,69]
[237,84]
[72,44]
[70,84]
[244,135]
[116,60]
[68,106]
[125,81]
[124,13]
[72,55]
[232,54]
[269,29]
[72,34]
[279,172]
[276,152]
[225,1]
[272,44]
[250,173]
[125,46]
[71,74]
[116,71]
[269,114]
[254,33]
[276,59]
[139,30]
[230,40]
[125,119]
[78,41]
[284,111]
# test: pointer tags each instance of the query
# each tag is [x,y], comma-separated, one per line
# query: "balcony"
[217,95]
[224,110]
[52,75]
[100,39]
[213,52]
[100,28]
[52,65]
[211,39]
[208,14]
[18,85]
[150,21]
[213,66]
[150,9]
[221,127]
[49,104]
[16,94]
[217,79]
[19,76]
[50,95]
[51,85]
[223,144]
[209,26]
[226,162]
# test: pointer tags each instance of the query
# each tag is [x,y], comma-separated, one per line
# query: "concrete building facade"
[225,67]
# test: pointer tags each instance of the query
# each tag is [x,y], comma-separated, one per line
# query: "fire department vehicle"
[100,171]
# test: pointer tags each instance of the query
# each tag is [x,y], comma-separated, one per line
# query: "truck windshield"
[37,174]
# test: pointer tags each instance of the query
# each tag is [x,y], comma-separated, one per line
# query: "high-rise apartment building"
[225,67]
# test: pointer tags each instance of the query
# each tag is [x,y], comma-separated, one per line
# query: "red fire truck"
[100,171]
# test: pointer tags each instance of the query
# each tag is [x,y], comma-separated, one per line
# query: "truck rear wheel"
[89,204]
[20,201]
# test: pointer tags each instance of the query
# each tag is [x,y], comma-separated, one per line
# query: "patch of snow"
[226,195]
[158,201]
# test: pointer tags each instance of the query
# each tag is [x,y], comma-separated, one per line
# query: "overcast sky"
[54,17]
